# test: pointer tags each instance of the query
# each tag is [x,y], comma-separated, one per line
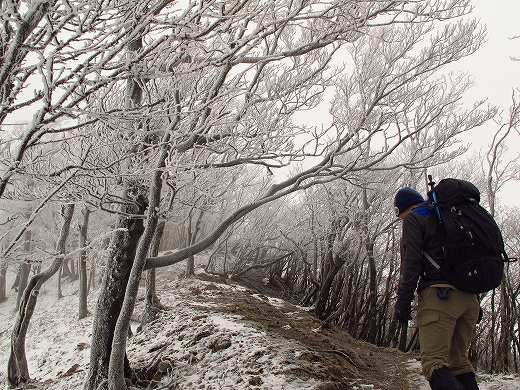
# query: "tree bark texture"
[506,330]
[65,270]
[121,254]
[372,297]
[60,295]
[116,379]
[190,261]
[330,266]
[92,277]
[403,337]
[152,303]
[83,292]
[24,270]
[3,280]
[17,370]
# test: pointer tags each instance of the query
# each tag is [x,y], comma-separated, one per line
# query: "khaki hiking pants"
[446,328]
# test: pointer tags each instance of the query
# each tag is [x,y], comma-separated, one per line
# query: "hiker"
[446,316]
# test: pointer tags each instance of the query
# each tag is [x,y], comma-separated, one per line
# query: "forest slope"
[215,336]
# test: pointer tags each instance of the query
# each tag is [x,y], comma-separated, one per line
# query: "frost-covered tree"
[244,112]
[161,88]
[55,56]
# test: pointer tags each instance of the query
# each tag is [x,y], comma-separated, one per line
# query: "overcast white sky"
[494,72]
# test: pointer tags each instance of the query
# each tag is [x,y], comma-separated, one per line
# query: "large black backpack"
[472,243]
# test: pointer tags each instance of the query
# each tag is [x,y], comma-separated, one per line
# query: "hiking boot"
[468,380]
[443,379]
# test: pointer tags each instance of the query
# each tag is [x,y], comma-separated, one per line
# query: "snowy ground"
[216,351]
[215,336]
[486,382]
[58,344]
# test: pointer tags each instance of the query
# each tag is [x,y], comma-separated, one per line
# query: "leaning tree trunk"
[330,266]
[372,286]
[116,380]
[372,297]
[25,268]
[190,261]
[119,263]
[3,288]
[83,292]
[152,303]
[17,370]
[326,285]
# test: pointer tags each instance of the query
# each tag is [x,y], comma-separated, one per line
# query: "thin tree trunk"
[14,286]
[224,262]
[3,281]
[17,370]
[190,261]
[152,303]
[25,268]
[492,331]
[65,271]
[314,271]
[504,341]
[60,295]
[83,291]
[372,285]
[92,277]
[372,297]
[190,266]
[73,269]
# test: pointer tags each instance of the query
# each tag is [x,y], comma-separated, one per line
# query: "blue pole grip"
[436,206]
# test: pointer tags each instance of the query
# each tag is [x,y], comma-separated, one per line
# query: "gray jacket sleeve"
[411,259]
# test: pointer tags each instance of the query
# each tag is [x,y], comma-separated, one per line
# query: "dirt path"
[329,356]
[274,345]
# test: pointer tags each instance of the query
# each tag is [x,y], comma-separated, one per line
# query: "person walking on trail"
[446,316]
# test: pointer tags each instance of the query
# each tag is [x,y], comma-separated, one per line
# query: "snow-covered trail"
[216,336]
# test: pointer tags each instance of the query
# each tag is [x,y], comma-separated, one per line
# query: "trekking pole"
[431,184]
[412,340]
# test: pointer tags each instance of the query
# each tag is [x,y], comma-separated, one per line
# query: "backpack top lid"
[451,192]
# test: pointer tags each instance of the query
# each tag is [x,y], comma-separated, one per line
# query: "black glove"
[402,311]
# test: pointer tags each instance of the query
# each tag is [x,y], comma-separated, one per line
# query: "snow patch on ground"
[215,351]
[230,324]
